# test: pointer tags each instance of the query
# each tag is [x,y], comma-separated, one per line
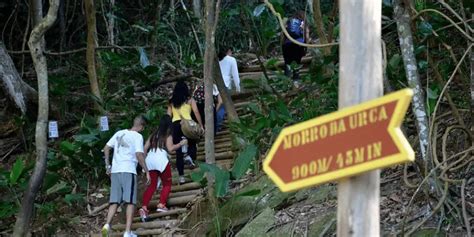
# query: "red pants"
[165,181]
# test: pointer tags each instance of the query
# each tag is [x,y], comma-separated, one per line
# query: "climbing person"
[198,96]
[180,107]
[157,147]
[128,149]
[229,70]
[292,53]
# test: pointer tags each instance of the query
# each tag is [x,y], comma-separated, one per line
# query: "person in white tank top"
[156,149]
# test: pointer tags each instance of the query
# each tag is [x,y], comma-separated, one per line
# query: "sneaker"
[143,214]
[189,161]
[161,208]
[129,234]
[182,180]
[105,230]
[297,84]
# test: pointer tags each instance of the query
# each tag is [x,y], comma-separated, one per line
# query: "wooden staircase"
[183,196]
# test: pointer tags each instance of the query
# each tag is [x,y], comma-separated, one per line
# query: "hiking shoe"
[188,160]
[297,84]
[129,234]
[182,180]
[105,230]
[161,208]
[143,215]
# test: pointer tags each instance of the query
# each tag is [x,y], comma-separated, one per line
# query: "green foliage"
[16,171]
[244,161]
[221,177]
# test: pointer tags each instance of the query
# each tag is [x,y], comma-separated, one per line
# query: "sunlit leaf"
[258,10]
[16,171]
[57,188]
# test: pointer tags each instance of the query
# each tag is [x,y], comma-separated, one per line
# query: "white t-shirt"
[157,159]
[126,144]
[230,72]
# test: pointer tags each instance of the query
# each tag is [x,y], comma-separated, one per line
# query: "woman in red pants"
[157,147]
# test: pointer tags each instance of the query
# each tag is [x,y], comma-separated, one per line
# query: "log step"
[171,212]
[186,187]
[176,201]
[149,225]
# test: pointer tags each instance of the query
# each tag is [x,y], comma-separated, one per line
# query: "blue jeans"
[220,118]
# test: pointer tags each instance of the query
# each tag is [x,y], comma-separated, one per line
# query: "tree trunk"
[402,17]
[197,8]
[62,25]
[19,91]
[209,61]
[37,10]
[22,225]
[226,98]
[111,25]
[90,54]
[318,21]
[360,80]
[154,40]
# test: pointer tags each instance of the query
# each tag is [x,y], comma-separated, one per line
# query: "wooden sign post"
[360,79]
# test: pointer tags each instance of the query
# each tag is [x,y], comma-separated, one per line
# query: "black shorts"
[293,53]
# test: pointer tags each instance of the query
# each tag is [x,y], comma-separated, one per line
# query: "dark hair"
[159,136]
[223,52]
[180,94]
[300,15]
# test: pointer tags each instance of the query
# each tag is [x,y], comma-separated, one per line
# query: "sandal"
[143,214]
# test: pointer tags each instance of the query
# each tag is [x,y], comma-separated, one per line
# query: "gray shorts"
[123,188]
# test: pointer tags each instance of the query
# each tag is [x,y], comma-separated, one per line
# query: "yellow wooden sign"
[344,143]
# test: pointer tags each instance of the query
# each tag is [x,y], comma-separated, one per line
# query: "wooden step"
[155,215]
[181,194]
[172,202]
[156,224]
[186,187]
[219,156]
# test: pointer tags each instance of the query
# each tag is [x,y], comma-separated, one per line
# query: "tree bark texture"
[37,10]
[19,91]
[154,42]
[402,17]
[360,80]
[197,8]
[111,24]
[90,53]
[318,21]
[209,55]
[22,225]
[226,98]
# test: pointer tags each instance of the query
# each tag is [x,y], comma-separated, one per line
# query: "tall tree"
[212,10]
[197,8]
[402,17]
[22,225]
[318,21]
[90,53]
[37,10]
[18,90]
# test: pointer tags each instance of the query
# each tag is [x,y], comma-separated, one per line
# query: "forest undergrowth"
[153,47]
